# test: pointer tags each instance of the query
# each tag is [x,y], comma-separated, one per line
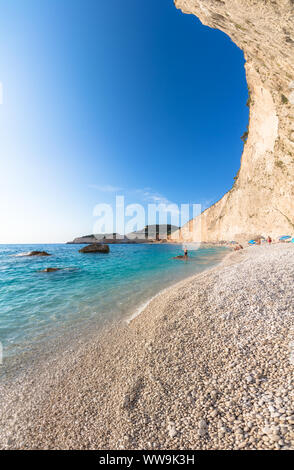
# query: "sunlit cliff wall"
[261,202]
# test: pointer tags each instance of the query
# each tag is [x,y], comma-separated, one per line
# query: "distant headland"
[159,233]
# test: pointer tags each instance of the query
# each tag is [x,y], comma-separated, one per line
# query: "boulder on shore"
[95,248]
[39,253]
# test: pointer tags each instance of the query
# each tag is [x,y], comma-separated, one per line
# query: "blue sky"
[104,98]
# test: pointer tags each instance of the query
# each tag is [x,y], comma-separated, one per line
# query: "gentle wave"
[19,255]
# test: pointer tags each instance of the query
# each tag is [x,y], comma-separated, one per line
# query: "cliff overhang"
[261,202]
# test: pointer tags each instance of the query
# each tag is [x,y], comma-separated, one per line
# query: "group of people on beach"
[257,242]
[237,247]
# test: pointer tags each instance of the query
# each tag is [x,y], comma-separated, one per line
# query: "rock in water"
[95,248]
[50,270]
[39,253]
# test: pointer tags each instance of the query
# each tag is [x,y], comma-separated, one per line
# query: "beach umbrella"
[292,240]
[252,242]
[285,237]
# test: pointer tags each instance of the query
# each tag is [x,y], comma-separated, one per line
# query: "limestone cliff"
[262,198]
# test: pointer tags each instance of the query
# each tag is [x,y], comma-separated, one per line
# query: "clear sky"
[112,97]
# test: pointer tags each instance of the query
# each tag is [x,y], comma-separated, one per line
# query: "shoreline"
[165,290]
[30,360]
[207,366]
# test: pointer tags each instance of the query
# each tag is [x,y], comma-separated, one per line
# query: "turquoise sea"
[91,289]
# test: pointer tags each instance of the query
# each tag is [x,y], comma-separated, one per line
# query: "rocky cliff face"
[261,201]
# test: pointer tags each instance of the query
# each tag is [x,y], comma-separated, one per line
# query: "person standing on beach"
[269,240]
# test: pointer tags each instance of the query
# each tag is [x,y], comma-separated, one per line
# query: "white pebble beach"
[208,364]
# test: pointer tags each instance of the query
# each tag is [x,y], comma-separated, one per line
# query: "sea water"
[90,289]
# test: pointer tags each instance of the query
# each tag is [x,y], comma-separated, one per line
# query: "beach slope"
[207,365]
